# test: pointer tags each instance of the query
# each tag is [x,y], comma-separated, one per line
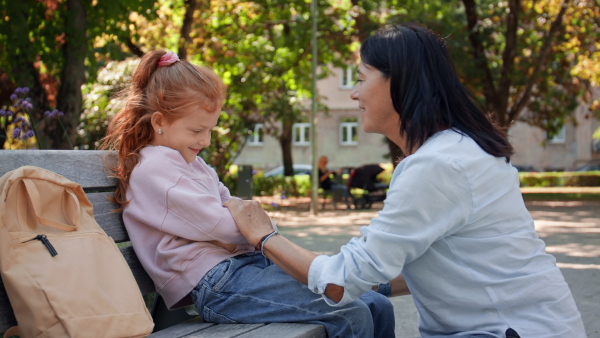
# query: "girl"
[173,210]
[454,230]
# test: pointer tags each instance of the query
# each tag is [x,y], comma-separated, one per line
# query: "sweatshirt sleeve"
[197,213]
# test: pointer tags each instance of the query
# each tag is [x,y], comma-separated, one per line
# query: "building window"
[256,138]
[560,137]
[301,134]
[347,77]
[349,132]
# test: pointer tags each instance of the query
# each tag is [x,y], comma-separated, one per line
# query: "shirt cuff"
[314,275]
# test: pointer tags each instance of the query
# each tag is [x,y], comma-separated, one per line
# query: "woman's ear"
[157,120]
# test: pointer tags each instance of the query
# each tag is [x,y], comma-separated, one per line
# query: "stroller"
[365,178]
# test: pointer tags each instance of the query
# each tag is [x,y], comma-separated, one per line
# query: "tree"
[524,60]
[51,43]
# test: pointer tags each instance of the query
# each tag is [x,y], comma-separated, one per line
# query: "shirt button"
[364,239]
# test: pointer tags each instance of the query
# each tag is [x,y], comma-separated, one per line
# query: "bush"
[560,179]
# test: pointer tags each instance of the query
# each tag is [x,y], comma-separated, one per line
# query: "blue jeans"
[251,289]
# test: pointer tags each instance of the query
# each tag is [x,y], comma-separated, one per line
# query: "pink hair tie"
[168,59]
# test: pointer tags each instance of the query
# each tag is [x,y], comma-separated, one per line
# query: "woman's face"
[375,102]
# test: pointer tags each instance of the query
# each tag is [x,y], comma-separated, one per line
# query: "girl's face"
[375,102]
[188,134]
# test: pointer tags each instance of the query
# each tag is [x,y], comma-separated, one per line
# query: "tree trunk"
[185,39]
[285,141]
[63,132]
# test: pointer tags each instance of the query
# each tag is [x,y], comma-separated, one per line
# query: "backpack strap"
[34,197]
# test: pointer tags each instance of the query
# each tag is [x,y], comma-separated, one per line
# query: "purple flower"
[18,119]
[274,205]
[18,90]
[13,97]
[16,133]
[283,196]
[27,105]
[28,134]
[53,114]
[254,172]
[5,112]
[25,90]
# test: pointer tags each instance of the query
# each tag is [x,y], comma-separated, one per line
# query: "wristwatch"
[385,289]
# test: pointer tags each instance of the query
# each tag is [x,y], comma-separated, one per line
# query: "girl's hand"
[251,219]
[228,247]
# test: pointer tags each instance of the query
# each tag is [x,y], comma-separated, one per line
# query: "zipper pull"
[48,245]
[46,242]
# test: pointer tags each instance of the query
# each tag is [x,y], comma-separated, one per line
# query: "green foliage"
[560,179]
[523,81]
[100,101]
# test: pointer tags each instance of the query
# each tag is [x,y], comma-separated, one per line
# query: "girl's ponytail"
[130,129]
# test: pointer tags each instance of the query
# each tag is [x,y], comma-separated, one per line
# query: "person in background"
[454,230]
[188,243]
[327,184]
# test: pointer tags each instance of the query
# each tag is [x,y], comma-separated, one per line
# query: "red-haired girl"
[173,210]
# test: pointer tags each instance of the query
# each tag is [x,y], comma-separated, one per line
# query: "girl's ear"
[157,120]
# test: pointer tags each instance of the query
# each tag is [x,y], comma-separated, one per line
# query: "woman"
[454,224]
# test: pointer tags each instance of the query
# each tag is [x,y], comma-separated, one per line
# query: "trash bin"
[244,184]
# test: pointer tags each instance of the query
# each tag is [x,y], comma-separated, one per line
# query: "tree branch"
[135,49]
[545,51]
[489,90]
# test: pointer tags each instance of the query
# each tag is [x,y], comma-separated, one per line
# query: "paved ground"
[571,231]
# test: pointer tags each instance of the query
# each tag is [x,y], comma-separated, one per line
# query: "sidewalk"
[571,231]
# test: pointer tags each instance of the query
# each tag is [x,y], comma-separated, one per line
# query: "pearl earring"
[160,131]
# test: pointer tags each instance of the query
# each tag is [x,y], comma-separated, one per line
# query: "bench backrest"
[87,168]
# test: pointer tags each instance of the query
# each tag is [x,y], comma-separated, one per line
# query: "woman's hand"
[251,219]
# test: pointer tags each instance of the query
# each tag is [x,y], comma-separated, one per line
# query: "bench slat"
[143,280]
[85,167]
[287,330]
[183,329]
[111,222]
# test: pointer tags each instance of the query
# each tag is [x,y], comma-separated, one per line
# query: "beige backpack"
[63,275]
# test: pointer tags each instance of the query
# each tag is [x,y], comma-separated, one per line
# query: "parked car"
[589,167]
[523,168]
[299,169]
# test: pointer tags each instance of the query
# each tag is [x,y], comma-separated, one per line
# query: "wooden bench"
[86,167]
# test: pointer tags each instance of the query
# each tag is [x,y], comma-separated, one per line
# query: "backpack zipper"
[46,242]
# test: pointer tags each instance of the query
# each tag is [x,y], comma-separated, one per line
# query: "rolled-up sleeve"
[428,198]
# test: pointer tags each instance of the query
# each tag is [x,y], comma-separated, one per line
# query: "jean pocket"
[218,275]
[210,316]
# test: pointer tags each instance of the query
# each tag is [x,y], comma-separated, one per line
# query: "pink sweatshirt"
[174,209]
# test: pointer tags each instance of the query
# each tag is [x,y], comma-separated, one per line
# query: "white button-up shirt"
[455,225]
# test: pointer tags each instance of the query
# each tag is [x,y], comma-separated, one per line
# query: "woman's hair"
[425,89]
[173,90]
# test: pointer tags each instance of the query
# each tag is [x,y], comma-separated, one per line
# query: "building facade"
[340,136]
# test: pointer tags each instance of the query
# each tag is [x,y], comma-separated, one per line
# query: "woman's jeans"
[251,289]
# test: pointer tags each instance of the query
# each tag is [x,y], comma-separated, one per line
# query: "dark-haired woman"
[454,229]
